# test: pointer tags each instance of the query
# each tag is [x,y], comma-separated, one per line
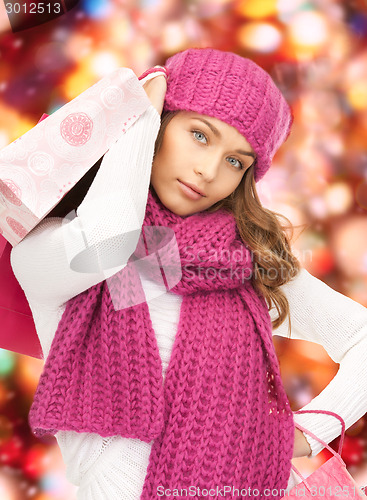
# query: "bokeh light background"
[316,53]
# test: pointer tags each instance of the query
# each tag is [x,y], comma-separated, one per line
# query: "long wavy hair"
[260,228]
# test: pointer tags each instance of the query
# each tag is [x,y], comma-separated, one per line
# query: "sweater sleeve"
[60,258]
[322,315]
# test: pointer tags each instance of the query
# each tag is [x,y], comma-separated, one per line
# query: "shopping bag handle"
[336,454]
[318,439]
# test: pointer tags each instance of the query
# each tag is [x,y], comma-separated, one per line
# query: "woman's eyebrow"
[218,134]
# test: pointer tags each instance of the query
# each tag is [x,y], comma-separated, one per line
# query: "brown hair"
[259,228]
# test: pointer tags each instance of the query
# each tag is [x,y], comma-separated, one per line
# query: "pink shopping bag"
[17,329]
[331,480]
[40,167]
[126,100]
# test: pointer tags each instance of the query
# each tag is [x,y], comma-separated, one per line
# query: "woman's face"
[202,151]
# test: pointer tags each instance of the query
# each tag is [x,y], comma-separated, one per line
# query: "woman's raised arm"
[60,258]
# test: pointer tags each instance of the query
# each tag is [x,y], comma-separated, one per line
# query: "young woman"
[155,302]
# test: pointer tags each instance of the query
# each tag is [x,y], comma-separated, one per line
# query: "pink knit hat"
[235,90]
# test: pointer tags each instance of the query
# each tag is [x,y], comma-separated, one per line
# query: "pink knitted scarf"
[221,416]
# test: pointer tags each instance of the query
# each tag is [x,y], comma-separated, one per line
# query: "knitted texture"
[221,416]
[235,90]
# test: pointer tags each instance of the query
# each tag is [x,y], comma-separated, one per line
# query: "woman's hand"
[301,446]
[156,90]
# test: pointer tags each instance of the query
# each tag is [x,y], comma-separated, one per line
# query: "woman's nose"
[208,167]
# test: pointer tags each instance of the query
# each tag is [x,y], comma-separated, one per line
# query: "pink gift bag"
[123,98]
[331,480]
[116,98]
[40,167]
[17,329]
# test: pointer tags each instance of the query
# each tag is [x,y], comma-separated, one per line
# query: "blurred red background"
[316,51]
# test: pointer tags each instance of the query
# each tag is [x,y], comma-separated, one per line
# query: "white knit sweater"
[114,468]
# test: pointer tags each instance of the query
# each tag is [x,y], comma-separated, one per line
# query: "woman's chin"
[176,201]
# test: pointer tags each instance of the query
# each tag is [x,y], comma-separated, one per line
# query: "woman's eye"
[235,162]
[199,136]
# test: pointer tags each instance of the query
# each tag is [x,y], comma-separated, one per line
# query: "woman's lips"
[190,193]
